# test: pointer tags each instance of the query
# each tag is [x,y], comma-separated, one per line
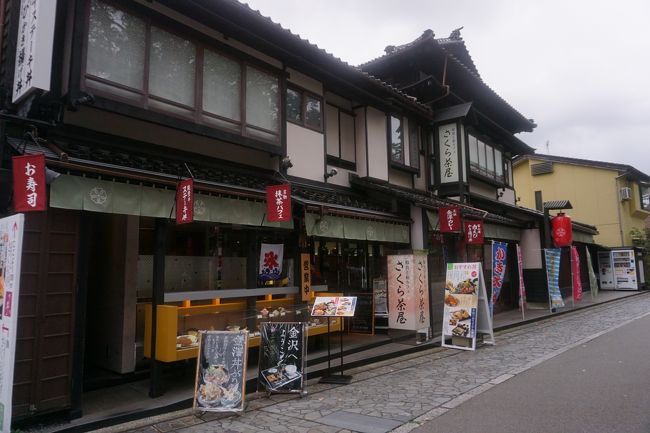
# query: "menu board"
[380,291]
[363,316]
[466,308]
[221,371]
[282,356]
[334,306]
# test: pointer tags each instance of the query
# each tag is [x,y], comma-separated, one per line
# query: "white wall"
[342,178]
[306,148]
[531,249]
[305,82]
[360,132]
[401,178]
[508,196]
[483,189]
[377,144]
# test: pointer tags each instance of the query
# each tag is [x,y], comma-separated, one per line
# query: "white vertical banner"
[271,256]
[34,47]
[401,295]
[448,149]
[11,246]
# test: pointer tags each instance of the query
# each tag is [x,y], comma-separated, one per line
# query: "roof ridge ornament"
[455,34]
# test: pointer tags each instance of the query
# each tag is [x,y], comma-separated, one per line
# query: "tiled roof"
[455,48]
[315,49]
[631,171]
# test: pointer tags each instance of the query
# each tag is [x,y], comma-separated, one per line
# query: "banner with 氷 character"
[271,256]
[221,371]
[408,292]
[466,307]
[282,356]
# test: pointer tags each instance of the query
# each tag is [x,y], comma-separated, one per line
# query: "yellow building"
[613,197]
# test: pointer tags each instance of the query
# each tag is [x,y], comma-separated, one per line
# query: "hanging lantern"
[561,230]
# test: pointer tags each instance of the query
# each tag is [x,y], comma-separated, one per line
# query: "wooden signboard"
[282,357]
[221,371]
[305,277]
[466,307]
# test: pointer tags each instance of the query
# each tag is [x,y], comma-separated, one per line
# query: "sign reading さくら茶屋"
[408,292]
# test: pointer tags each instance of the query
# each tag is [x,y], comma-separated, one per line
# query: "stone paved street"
[402,394]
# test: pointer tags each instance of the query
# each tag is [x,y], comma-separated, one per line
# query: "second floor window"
[405,139]
[304,109]
[132,60]
[485,159]
[645,196]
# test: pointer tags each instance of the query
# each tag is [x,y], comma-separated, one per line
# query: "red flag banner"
[185,201]
[29,183]
[474,232]
[278,203]
[449,219]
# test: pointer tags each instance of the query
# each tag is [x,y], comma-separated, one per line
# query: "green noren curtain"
[356,229]
[96,195]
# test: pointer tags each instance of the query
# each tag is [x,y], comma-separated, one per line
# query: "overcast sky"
[579,68]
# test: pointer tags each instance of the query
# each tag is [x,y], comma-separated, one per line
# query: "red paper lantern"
[561,230]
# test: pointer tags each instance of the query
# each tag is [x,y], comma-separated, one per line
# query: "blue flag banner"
[552,256]
[499,255]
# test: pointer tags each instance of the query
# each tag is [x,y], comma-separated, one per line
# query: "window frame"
[139,106]
[482,172]
[334,160]
[644,187]
[304,94]
[404,135]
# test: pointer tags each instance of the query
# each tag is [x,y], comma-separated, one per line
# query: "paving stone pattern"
[406,392]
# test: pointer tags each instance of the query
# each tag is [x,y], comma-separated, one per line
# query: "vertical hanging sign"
[185,201]
[448,148]
[34,47]
[408,292]
[474,232]
[278,203]
[29,183]
[449,218]
[499,253]
[11,244]
[305,276]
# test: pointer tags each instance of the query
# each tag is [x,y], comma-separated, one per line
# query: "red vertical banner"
[474,232]
[278,203]
[449,218]
[575,274]
[185,201]
[29,183]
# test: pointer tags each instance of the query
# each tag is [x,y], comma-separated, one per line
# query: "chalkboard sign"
[364,316]
[282,356]
[380,290]
[221,371]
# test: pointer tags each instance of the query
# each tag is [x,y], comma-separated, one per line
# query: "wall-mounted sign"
[221,371]
[474,232]
[34,44]
[448,150]
[11,244]
[305,276]
[408,292]
[185,201]
[449,218]
[29,183]
[282,356]
[278,203]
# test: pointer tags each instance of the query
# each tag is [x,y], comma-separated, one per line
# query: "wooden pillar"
[157,298]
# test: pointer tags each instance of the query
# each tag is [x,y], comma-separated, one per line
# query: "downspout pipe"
[618,208]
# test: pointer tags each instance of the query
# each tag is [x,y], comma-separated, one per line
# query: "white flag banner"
[271,256]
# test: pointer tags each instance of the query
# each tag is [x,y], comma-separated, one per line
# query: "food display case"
[179,323]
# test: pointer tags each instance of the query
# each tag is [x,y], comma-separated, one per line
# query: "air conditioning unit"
[626,193]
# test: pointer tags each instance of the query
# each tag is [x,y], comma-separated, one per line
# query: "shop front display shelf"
[178,323]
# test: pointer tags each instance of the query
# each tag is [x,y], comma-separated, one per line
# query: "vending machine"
[621,269]
[605,271]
